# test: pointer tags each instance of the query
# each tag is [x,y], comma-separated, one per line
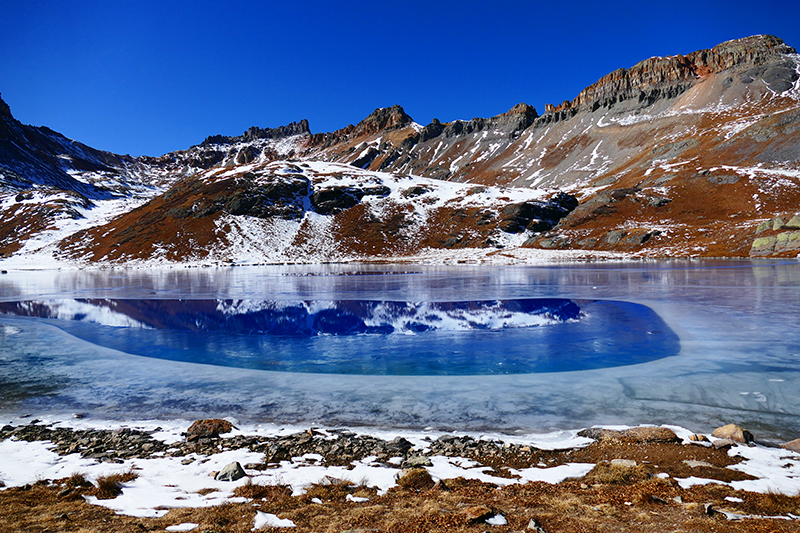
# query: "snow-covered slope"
[281,211]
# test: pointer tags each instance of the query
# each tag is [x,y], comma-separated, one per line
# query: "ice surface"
[737,322]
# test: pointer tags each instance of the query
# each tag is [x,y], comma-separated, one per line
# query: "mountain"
[680,156]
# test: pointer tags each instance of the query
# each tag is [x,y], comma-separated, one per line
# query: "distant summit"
[253,133]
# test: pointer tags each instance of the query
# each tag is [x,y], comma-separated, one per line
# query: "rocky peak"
[381,119]
[253,133]
[667,77]
[5,111]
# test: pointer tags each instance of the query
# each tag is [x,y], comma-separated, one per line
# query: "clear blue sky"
[151,77]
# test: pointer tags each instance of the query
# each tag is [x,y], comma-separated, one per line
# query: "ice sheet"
[737,323]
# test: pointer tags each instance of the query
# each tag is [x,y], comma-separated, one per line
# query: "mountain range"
[693,155]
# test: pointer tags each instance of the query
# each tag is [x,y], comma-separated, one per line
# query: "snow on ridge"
[71,309]
[251,240]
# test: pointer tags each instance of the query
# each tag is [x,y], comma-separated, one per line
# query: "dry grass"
[110,486]
[610,498]
[607,473]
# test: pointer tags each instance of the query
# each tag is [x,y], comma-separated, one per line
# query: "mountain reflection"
[304,318]
[369,336]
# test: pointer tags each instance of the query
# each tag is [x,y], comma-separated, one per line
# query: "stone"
[793,445]
[698,438]
[614,236]
[722,444]
[788,240]
[416,461]
[734,433]
[764,226]
[231,472]
[627,463]
[658,201]
[535,525]
[763,245]
[794,222]
[477,513]
[209,429]
[638,435]
[691,463]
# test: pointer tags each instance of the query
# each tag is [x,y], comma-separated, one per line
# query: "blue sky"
[151,77]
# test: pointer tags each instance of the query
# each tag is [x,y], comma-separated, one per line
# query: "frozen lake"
[513,349]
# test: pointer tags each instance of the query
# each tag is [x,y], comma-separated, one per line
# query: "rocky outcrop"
[382,119]
[658,78]
[777,237]
[536,216]
[253,133]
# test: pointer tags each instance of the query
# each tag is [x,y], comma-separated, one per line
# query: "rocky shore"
[631,479]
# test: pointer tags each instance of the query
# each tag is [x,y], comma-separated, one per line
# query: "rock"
[477,513]
[723,443]
[412,192]
[691,463]
[658,201]
[734,433]
[335,199]
[763,245]
[627,463]
[637,435]
[231,472]
[698,438]
[416,461]
[535,525]
[792,445]
[208,429]
[787,240]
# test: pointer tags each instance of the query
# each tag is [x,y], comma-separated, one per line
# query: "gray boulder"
[231,472]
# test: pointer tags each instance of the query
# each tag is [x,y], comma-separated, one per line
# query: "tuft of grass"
[77,480]
[416,479]
[336,490]
[254,491]
[610,474]
[775,503]
[109,487]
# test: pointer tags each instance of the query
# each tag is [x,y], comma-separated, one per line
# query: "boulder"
[335,199]
[793,445]
[231,472]
[210,428]
[734,433]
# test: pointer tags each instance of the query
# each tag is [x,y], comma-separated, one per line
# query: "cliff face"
[687,155]
[667,77]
